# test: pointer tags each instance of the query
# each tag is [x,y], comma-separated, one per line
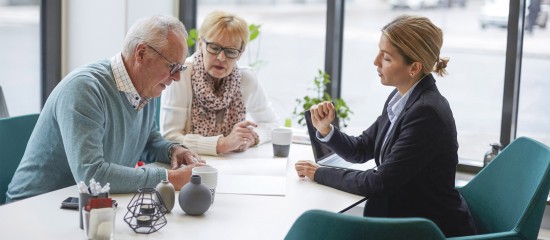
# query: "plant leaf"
[254,31]
[320,81]
[192,38]
[258,64]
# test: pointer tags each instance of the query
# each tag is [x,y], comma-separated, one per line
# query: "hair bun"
[442,63]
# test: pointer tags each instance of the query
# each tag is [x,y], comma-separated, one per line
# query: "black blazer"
[416,177]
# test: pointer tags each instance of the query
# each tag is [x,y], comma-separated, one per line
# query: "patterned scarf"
[207,101]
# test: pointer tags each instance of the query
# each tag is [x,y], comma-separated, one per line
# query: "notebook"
[322,154]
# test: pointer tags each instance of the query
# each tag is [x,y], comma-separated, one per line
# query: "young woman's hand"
[322,115]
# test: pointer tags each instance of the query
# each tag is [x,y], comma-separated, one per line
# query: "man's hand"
[182,175]
[183,156]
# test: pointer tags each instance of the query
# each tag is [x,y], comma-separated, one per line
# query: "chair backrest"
[510,193]
[319,224]
[15,133]
[3,107]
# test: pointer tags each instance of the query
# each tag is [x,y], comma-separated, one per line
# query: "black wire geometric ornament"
[146,211]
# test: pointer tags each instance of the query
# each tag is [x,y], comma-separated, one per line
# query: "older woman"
[206,111]
[413,142]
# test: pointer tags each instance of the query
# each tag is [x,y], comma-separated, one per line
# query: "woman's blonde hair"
[225,24]
[418,40]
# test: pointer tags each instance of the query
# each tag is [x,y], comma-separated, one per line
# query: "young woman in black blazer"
[413,141]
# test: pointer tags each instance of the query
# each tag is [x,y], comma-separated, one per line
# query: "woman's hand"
[322,115]
[306,168]
[241,138]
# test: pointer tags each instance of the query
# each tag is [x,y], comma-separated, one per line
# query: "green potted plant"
[303,104]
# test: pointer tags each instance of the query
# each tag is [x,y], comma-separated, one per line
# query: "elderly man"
[99,121]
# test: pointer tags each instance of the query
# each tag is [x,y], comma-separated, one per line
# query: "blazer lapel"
[384,125]
[425,83]
[381,146]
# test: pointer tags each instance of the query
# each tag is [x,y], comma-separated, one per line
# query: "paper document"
[254,176]
[251,185]
[250,166]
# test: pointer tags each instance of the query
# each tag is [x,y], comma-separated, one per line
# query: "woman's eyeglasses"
[215,49]
[174,67]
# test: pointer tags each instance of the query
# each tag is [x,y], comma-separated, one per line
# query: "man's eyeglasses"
[215,49]
[174,67]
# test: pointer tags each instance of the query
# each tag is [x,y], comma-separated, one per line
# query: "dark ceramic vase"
[195,197]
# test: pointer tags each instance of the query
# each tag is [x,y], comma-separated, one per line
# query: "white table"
[230,217]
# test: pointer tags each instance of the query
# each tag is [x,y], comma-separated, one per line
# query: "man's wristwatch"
[172,147]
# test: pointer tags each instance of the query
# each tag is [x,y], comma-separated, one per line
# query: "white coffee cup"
[209,177]
[281,138]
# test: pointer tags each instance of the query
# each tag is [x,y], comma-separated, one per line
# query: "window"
[20,75]
[474,86]
[292,42]
[533,110]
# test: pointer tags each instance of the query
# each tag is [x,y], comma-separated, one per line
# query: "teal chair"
[323,225]
[15,133]
[507,200]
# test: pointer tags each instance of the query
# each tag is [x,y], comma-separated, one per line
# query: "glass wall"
[474,86]
[534,110]
[292,45]
[20,48]
[291,42]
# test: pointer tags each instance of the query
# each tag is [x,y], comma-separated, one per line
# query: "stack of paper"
[257,176]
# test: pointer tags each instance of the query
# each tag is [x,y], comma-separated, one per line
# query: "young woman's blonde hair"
[418,40]
[224,24]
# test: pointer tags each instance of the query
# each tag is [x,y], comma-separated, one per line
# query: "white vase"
[167,193]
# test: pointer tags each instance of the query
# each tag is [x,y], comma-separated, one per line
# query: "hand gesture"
[322,115]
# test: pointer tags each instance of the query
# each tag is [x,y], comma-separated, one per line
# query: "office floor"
[544,234]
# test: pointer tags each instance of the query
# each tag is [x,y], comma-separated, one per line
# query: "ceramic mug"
[281,138]
[209,177]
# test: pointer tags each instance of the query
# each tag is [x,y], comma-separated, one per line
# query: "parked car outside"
[495,13]
[414,4]
[450,3]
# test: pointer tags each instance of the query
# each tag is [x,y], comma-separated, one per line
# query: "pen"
[82,188]
[105,188]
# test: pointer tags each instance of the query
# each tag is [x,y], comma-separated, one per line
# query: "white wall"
[95,30]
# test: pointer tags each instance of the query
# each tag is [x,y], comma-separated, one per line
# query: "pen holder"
[99,223]
[146,211]
[83,199]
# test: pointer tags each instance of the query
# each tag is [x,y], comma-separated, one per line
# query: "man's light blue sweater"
[88,129]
